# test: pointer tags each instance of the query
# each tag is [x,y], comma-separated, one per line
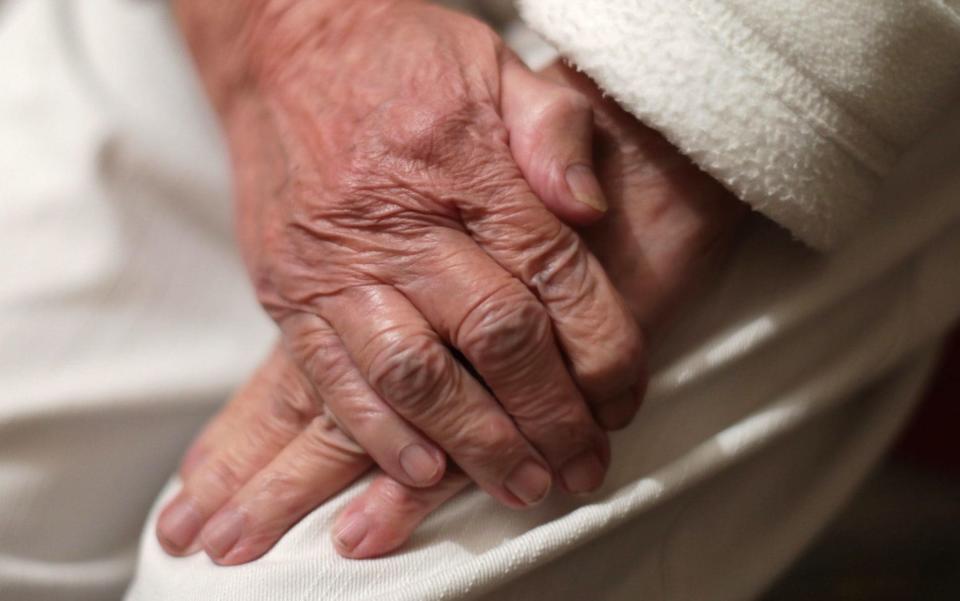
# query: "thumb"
[551,138]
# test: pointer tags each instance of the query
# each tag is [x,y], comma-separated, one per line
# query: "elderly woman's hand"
[389,227]
[274,453]
[668,224]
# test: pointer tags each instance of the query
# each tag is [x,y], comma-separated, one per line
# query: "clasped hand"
[405,188]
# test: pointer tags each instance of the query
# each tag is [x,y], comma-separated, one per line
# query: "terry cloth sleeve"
[799,107]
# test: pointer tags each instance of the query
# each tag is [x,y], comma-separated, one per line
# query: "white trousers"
[126,320]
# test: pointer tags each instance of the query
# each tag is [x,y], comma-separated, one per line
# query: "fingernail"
[583,473]
[529,482]
[419,464]
[222,533]
[179,524]
[585,188]
[351,532]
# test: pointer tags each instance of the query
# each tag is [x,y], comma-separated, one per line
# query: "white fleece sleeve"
[801,107]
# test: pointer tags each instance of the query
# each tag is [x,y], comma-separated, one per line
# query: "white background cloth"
[126,318]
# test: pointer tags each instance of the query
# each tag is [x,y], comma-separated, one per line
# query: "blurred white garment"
[126,319]
[125,316]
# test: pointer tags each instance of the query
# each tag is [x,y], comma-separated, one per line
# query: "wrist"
[238,44]
[217,34]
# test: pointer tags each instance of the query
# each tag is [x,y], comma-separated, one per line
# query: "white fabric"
[126,318]
[801,108]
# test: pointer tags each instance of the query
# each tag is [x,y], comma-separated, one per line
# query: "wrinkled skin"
[668,223]
[384,220]
[401,179]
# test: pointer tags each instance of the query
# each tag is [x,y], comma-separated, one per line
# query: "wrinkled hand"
[668,223]
[385,220]
[390,161]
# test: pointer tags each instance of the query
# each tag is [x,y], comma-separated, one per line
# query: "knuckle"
[489,441]
[505,332]
[218,475]
[424,135]
[615,366]
[326,440]
[311,340]
[285,398]
[399,499]
[557,267]
[567,422]
[412,373]
[284,491]
[292,405]
[361,418]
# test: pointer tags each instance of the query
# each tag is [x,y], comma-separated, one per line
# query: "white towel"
[800,108]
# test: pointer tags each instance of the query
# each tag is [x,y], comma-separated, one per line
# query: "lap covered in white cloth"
[127,318]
